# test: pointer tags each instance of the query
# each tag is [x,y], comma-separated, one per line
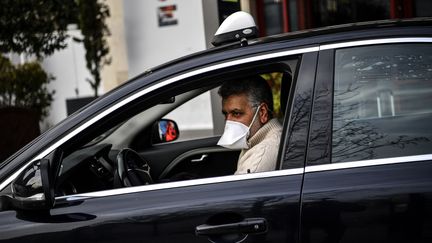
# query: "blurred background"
[59,55]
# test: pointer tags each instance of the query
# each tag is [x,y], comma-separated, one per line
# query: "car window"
[195,117]
[201,116]
[382,97]
[124,140]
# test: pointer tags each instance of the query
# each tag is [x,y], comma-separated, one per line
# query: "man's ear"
[264,113]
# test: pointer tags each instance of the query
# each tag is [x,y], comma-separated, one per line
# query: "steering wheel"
[132,169]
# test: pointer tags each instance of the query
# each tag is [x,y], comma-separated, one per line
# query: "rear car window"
[382,102]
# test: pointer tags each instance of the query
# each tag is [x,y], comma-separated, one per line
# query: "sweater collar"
[262,132]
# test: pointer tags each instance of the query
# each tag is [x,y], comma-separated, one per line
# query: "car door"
[369,167]
[255,207]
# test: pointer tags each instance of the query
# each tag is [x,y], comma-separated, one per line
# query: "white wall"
[150,45]
[68,67]
[116,72]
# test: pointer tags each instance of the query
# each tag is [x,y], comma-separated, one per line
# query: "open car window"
[94,161]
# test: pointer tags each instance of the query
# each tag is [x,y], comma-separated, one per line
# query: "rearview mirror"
[165,130]
[32,189]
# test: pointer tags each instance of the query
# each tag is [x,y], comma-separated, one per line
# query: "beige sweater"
[263,149]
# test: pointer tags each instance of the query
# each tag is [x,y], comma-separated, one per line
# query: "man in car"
[248,105]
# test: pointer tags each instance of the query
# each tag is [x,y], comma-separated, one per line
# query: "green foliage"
[92,15]
[275,80]
[25,86]
[35,26]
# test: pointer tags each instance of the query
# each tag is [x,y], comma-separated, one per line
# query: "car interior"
[130,147]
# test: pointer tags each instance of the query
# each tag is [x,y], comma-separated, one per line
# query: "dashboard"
[85,170]
[94,168]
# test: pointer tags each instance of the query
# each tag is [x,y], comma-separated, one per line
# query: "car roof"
[378,25]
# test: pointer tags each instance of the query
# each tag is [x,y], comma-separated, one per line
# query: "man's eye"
[236,114]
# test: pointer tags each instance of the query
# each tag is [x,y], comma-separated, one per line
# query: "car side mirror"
[164,130]
[33,189]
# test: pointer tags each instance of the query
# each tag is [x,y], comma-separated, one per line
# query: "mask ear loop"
[253,120]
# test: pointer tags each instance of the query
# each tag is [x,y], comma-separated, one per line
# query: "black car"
[354,164]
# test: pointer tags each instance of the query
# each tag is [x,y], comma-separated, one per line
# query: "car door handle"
[201,159]
[247,226]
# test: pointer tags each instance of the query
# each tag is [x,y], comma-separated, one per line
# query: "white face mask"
[236,134]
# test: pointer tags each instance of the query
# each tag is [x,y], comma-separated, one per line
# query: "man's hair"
[255,87]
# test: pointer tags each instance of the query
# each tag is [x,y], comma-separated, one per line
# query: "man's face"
[237,108]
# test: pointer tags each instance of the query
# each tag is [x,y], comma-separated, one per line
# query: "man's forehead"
[239,101]
[236,98]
